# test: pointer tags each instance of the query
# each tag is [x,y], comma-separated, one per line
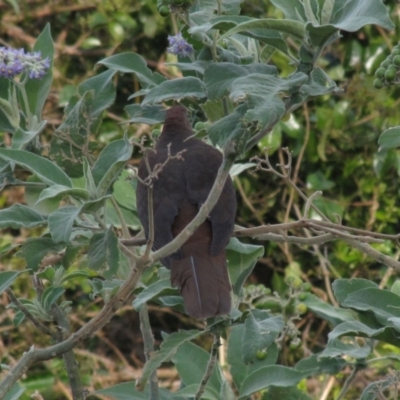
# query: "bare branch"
[33,355]
[43,328]
[148,341]
[210,367]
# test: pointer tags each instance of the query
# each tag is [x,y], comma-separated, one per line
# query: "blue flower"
[15,61]
[179,46]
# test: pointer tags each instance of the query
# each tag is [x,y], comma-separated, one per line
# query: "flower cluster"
[15,61]
[179,46]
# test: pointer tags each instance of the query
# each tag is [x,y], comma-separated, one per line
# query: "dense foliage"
[289,92]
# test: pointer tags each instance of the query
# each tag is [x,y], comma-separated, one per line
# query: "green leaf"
[334,315]
[75,274]
[191,390]
[18,319]
[238,369]
[110,163]
[263,94]
[32,194]
[383,303]
[321,365]
[336,348]
[61,222]
[150,115]
[124,192]
[354,14]
[293,9]
[103,252]
[10,113]
[15,392]
[90,186]
[287,393]
[133,63]
[176,89]
[104,92]
[219,77]
[70,140]
[229,128]
[344,287]
[291,27]
[37,90]
[191,362]
[389,139]
[275,375]
[50,296]
[130,217]
[241,260]
[355,328]
[168,348]
[320,36]
[127,391]
[327,11]
[59,191]
[20,216]
[260,331]
[156,289]
[7,278]
[22,138]
[44,169]
[33,250]
[5,124]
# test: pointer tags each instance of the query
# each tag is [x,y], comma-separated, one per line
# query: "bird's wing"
[168,192]
[200,174]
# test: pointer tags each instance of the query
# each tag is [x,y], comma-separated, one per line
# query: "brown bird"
[199,267]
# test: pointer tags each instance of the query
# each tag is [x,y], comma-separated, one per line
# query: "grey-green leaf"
[191,363]
[274,375]
[33,250]
[7,278]
[20,216]
[176,89]
[110,163]
[37,90]
[58,191]
[241,261]
[390,138]
[168,348]
[133,63]
[44,169]
[292,27]
[103,252]
[156,289]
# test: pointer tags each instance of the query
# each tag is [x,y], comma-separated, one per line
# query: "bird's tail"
[204,284]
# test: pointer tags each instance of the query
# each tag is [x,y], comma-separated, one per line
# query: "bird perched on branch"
[184,170]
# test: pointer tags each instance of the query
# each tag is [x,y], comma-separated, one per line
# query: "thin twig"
[34,355]
[71,365]
[43,328]
[310,201]
[209,369]
[124,227]
[347,383]
[148,341]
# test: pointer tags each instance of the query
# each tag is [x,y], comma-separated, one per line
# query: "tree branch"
[33,355]
[43,328]
[209,369]
[148,342]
